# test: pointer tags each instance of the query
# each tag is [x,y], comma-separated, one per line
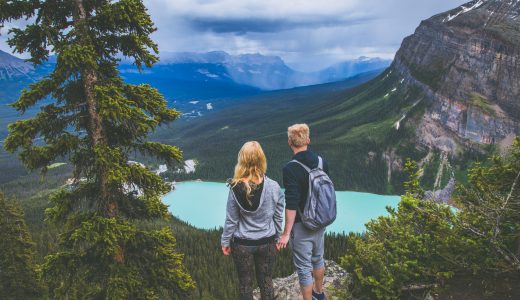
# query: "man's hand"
[282,243]
[226,250]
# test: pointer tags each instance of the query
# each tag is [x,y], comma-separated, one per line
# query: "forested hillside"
[353,127]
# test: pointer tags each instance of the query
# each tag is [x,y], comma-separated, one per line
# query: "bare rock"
[288,288]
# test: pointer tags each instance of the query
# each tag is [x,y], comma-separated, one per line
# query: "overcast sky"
[307,34]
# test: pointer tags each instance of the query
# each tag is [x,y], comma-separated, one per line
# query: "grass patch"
[56,165]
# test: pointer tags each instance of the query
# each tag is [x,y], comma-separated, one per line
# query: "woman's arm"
[278,213]
[232,218]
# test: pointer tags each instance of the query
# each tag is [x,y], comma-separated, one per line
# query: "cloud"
[307,34]
[266,25]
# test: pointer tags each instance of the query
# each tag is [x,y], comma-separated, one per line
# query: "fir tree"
[490,212]
[97,121]
[17,272]
[425,246]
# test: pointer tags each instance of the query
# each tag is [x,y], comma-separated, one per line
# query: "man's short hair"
[298,135]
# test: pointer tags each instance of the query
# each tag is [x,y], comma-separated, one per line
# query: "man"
[307,245]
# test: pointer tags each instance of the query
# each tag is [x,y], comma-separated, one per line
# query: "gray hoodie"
[264,222]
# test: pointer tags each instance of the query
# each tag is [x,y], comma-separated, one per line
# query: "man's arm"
[292,202]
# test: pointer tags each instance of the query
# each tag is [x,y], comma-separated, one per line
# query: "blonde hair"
[298,135]
[251,165]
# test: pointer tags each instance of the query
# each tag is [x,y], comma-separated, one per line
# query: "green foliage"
[97,122]
[412,186]
[411,247]
[423,246]
[18,279]
[490,212]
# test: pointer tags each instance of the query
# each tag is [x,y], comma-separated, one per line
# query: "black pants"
[261,258]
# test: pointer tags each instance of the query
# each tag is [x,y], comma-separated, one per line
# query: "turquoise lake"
[203,205]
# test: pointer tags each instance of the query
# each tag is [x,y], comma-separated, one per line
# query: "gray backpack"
[320,209]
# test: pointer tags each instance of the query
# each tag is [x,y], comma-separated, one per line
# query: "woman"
[253,221]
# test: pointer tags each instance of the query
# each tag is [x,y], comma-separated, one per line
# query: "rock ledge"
[288,288]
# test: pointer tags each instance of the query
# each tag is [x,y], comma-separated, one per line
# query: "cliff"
[467,63]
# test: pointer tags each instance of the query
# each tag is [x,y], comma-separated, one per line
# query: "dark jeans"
[261,258]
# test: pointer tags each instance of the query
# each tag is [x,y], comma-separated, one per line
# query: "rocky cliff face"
[467,63]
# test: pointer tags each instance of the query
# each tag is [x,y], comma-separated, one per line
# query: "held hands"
[226,250]
[282,243]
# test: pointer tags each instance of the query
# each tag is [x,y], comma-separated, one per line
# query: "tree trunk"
[97,135]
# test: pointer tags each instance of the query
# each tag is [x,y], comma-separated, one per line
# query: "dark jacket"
[296,180]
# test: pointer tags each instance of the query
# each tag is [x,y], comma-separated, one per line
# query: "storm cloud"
[307,34]
[242,26]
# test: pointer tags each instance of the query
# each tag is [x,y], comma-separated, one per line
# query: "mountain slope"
[450,96]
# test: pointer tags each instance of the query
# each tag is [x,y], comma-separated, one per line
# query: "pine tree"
[490,211]
[425,246]
[17,271]
[97,121]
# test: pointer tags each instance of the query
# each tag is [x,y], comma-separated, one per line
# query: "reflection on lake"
[203,204]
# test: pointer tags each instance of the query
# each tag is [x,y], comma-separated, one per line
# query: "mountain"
[450,97]
[15,74]
[249,70]
[12,68]
[467,64]
[184,77]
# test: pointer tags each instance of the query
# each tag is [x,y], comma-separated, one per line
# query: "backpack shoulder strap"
[302,164]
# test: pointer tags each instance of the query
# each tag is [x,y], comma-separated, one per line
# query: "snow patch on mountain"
[207,73]
[464,10]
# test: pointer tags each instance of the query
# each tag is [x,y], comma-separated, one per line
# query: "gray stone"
[288,288]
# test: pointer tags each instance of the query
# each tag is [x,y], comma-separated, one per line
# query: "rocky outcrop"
[393,163]
[288,288]
[467,63]
[441,196]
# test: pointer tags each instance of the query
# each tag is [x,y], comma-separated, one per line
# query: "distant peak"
[8,59]
[219,57]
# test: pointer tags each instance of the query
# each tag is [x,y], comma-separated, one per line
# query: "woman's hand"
[226,250]
[282,243]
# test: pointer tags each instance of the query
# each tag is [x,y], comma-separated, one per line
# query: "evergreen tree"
[17,272]
[490,212]
[97,121]
[425,246]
